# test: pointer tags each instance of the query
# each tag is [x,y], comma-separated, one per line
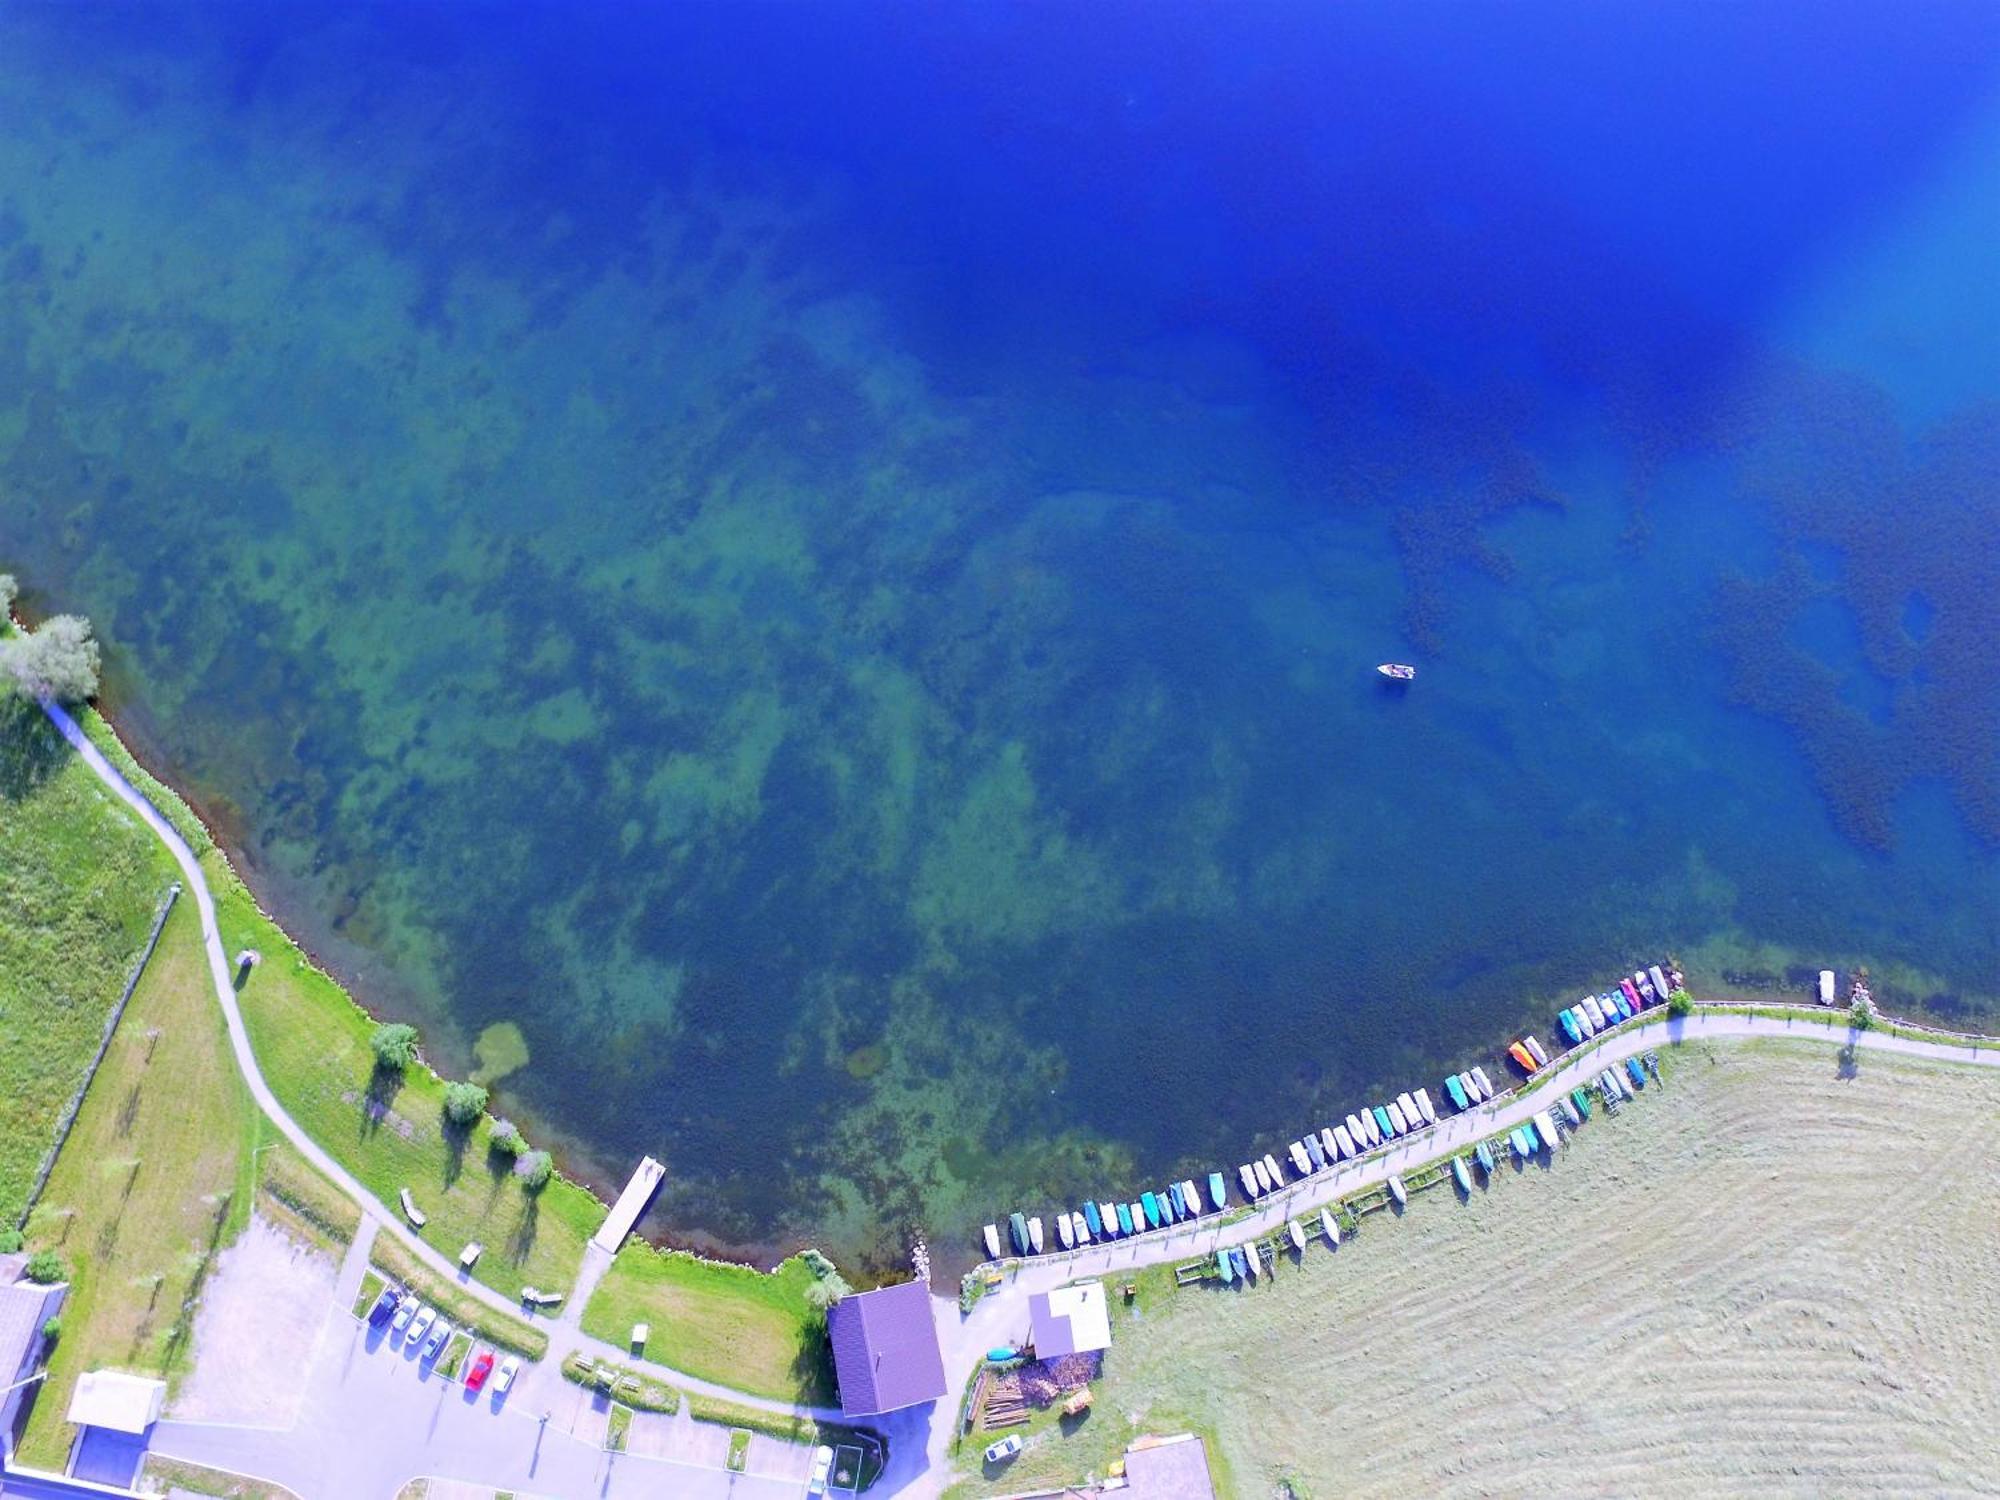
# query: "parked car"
[481,1368]
[405,1310]
[504,1381]
[440,1336]
[822,1466]
[384,1305]
[1005,1449]
[420,1325]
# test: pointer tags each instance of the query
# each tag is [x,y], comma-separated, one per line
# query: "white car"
[822,1466]
[503,1378]
[440,1336]
[405,1310]
[1005,1449]
[425,1317]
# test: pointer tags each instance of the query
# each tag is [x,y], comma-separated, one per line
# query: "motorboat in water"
[1397,671]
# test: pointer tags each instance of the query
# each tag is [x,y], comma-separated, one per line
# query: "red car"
[481,1368]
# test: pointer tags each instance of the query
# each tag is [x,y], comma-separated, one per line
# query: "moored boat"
[1523,1058]
[1108,1212]
[1035,1233]
[1218,1191]
[1387,1130]
[1091,1218]
[1463,1177]
[1429,1109]
[1615,1001]
[1064,1232]
[1151,1206]
[1139,1225]
[1411,1119]
[1645,987]
[1301,1163]
[1346,1140]
[1329,1141]
[1271,1166]
[1399,1123]
[1358,1133]
[1330,1227]
[1017,1228]
[1397,1191]
[1174,1201]
[1456,1092]
[1265,1179]
[1631,993]
[1082,1227]
[992,1241]
[1535,1051]
[1191,1196]
[1593,1015]
[1314,1149]
[1660,985]
[1124,1218]
[1485,1085]
[1248,1178]
[1570,1029]
[1397,671]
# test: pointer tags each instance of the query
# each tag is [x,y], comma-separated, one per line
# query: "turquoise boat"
[1124,1219]
[1090,1217]
[1451,1087]
[1528,1134]
[1382,1118]
[1225,1266]
[1485,1158]
[1152,1207]
[1218,1191]
[1464,1177]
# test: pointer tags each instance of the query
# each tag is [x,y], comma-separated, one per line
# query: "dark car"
[384,1305]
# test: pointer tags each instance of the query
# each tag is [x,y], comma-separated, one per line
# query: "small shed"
[1069,1320]
[885,1349]
[118,1402]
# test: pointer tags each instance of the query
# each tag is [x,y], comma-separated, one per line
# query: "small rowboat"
[992,1241]
[1151,1205]
[1660,985]
[1124,1218]
[1397,1191]
[1632,994]
[1397,671]
[1298,1235]
[1329,1140]
[1035,1234]
[1108,1212]
[1347,1146]
[1017,1228]
[1091,1220]
[1265,1179]
[1485,1086]
[1463,1177]
[1311,1142]
[1485,1158]
[1247,1175]
[1251,1268]
[1593,1015]
[1358,1133]
[1300,1161]
[1225,1264]
[1398,1121]
[1409,1107]
[1330,1227]
[1271,1166]
[1523,1058]
[1535,1051]
[1387,1126]
[1429,1109]
[1081,1225]
[1174,1202]
[1064,1232]
[1218,1193]
[1191,1198]
[1138,1219]
[1646,986]
[1567,1021]
[1456,1091]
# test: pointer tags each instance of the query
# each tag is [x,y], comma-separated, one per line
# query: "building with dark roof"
[885,1350]
[24,1309]
[1174,1468]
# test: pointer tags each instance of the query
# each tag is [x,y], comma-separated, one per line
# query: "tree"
[507,1139]
[537,1167]
[1860,1014]
[463,1102]
[9,592]
[10,1239]
[52,1330]
[828,1285]
[46,1267]
[394,1045]
[59,661]
[1680,1003]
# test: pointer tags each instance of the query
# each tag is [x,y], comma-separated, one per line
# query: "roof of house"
[24,1308]
[1168,1469]
[113,1399]
[1069,1320]
[885,1349]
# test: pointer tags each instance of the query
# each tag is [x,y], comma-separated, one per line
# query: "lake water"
[815,571]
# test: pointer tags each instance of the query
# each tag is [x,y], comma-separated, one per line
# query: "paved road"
[564,1336]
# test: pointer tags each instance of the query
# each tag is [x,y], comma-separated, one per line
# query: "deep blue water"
[826,561]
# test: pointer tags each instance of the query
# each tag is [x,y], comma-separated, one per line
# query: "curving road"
[564,1334]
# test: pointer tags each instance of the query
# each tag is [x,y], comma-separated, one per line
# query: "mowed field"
[1771,1274]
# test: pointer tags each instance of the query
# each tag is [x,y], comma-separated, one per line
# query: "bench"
[410,1209]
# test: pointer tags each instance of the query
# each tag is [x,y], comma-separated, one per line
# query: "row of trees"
[59,661]
[394,1044]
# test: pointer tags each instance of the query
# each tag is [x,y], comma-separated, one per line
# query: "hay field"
[1766,1276]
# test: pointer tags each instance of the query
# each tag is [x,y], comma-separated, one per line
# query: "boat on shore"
[1399,1123]
[1638,1073]
[1315,1150]
[1593,1015]
[1463,1177]
[1124,1218]
[1271,1166]
[1357,1134]
[1191,1196]
[1064,1232]
[1429,1109]
[1035,1233]
[1397,1191]
[1250,1258]
[1411,1118]
[1485,1086]
[1631,992]
[1330,1227]
[1523,1058]
[1535,1051]
[1567,1020]
[992,1241]
[1645,987]
[1485,1156]
[1386,1130]
[1660,985]
[1248,1178]
[1329,1140]
[1370,1132]
[1347,1146]
[1297,1233]
[1547,1128]
[1397,671]
[1225,1266]
[1301,1163]
[1084,1233]
[1017,1228]
[1151,1207]
[1139,1225]
[1218,1193]
[1455,1091]
[1091,1218]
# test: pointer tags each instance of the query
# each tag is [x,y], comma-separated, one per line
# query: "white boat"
[1249,1180]
[1660,981]
[1191,1197]
[1358,1133]
[1301,1160]
[992,1241]
[1035,1235]
[1267,1178]
[1064,1232]
[1329,1140]
[1397,671]
[1535,1050]
[1485,1087]
[1546,1128]
[1081,1225]
[1271,1166]
[1593,1017]
[1471,1086]
[1251,1257]
[1298,1235]
[1410,1116]
[1347,1146]
[1398,1121]
[1396,1189]
[1330,1227]
[1424,1104]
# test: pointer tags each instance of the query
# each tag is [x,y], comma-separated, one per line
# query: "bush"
[394,1045]
[60,659]
[463,1102]
[1680,1003]
[46,1267]
[10,1239]
[52,1330]
[537,1168]
[507,1139]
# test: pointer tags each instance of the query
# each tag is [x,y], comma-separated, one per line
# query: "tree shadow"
[1849,1066]
[384,1084]
[128,1112]
[457,1141]
[521,1243]
[31,748]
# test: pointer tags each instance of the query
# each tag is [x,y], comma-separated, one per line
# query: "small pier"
[630,1205]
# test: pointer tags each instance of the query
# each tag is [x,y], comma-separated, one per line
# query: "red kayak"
[1523,1058]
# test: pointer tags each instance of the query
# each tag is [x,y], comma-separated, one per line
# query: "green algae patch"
[499,1051]
[751,1330]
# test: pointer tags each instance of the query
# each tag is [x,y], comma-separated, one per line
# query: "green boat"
[1222,1264]
[1582,1102]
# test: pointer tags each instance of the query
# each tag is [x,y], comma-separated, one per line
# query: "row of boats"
[1360,1132]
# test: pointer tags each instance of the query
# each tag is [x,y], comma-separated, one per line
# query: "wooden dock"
[630,1205]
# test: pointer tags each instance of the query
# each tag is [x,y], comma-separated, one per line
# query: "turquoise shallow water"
[826,565]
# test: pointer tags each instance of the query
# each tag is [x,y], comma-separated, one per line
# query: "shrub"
[52,1330]
[46,1267]
[463,1102]
[507,1139]
[1680,1003]
[10,1239]
[394,1045]
[60,659]
[537,1167]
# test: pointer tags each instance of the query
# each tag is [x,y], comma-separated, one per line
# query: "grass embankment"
[456,1303]
[751,1330]
[154,1181]
[80,880]
[1772,1272]
[169,1476]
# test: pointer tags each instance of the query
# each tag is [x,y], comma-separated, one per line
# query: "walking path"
[565,1336]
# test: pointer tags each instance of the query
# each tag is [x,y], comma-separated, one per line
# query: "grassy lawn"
[639,1391]
[619,1425]
[739,1450]
[166,1475]
[80,878]
[454,1302]
[292,1193]
[747,1329]
[371,1287]
[154,1181]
